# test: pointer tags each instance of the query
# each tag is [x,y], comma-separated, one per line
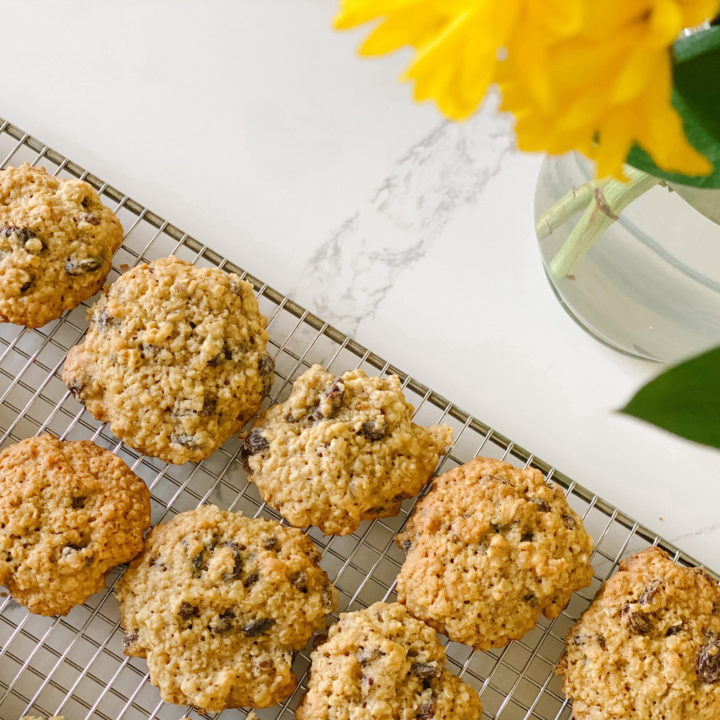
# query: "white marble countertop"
[255,128]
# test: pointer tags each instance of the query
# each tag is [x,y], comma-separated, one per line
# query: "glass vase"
[648,284]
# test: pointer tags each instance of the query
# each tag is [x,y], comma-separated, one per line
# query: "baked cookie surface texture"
[69,512]
[341,450]
[57,241]
[383,664]
[649,645]
[174,359]
[217,603]
[490,548]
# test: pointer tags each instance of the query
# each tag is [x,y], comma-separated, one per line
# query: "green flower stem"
[566,207]
[604,209]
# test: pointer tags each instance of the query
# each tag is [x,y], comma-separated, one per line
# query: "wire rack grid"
[74,666]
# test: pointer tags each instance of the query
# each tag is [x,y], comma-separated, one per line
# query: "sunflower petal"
[405,27]
[632,79]
[438,70]
[562,17]
[357,12]
[695,12]
[576,74]
[666,23]
[615,141]
[663,136]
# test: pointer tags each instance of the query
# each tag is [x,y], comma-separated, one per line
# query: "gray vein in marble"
[351,273]
[707,530]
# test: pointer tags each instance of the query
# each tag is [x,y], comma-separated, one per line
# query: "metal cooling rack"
[74,665]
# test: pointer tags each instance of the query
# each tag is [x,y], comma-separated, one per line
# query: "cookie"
[489,549]
[648,646]
[341,450]
[174,359]
[57,241]
[383,663]
[217,603]
[69,512]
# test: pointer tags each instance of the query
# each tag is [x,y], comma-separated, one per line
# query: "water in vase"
[650,284]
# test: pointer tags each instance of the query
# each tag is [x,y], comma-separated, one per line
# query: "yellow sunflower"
[576,74]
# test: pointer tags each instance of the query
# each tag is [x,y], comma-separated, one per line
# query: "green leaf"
[696,96]
[684,399]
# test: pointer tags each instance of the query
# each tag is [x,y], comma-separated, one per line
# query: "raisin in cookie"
[217,603]
[489,548]
[649,645]
[69,512]
[174,359]
[341,450]
[57,240]
[382,663]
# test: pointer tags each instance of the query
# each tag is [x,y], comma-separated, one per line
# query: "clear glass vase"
[649,284]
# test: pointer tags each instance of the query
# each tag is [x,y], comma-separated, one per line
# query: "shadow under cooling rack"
[74,665]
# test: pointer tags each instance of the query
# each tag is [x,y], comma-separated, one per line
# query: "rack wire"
[74,666]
